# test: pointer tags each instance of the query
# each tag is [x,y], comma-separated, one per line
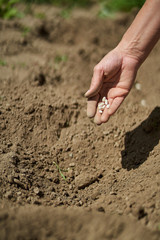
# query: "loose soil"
[111,188]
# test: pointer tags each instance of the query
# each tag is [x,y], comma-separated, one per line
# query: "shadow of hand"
[141,141]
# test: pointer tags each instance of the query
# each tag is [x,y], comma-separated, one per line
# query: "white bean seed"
[100,104]
[104,99]
[106,102]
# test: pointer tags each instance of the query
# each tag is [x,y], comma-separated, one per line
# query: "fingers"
[97,118]
[105,115]
[92,106]
[114,105]
[96,82]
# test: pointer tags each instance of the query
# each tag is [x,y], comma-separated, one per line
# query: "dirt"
[61,176]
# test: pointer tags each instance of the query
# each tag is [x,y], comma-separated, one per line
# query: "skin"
[115,74]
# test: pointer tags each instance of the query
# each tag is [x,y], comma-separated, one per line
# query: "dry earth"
[112,186]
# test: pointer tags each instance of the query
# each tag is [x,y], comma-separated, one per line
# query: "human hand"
[113,78]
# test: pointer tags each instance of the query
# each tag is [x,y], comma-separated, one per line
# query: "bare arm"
[114,75]
[144,32]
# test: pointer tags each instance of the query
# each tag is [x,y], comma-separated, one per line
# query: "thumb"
[96,82]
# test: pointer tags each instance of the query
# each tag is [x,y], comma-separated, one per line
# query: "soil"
[61,176]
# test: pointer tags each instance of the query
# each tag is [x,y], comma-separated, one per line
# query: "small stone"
[117,169]
[113,193]
[53,196]
[19,193]
[71,155]
[65,194]
[3,126]
[143,103]
[40,79]
[100,209]
[19,183]
[70,173]
[84,179]
[29,199]
[120,212]
[14,159]
[29,109]
[95,195]
[10,179]
[138,86]
[70,187]
[36,190]
[9,194]
[139,212]
[80,203]
[72,164]
[56,180]
[76,173]
[8,107]
[116,144]
[37,202]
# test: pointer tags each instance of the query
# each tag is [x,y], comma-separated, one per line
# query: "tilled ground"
[45,136]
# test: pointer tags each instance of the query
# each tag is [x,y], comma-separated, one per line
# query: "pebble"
[138,86]
[36,190]
[53,196]
[14,159]
[19,193]
[8,107]
[143,103]
[117,169]
[101,209]
[139,212]
[80,203]
[10,179]
[19,183]
[70,187]
[29,109]
[84,179]
[71,155]
[113,193]
[70,173]
[72,164]
[37,202]
[95,195]
[9,194]
[3,126]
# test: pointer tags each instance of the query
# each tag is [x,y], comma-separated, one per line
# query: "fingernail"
[86,93]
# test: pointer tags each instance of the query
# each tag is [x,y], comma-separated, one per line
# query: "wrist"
[131,49]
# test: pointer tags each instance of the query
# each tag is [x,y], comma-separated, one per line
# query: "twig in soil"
[60,171]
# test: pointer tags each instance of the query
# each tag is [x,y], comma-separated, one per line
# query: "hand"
[113,78]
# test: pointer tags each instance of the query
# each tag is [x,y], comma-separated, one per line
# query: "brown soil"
[112,186]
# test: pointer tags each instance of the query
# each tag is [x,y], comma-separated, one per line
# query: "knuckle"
[97,68]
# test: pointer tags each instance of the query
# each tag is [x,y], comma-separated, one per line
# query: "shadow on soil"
[141,141]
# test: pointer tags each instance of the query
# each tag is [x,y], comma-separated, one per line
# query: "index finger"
[92,106]
[96,82]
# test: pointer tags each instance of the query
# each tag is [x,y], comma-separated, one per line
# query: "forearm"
[144,32]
